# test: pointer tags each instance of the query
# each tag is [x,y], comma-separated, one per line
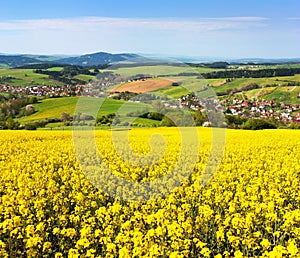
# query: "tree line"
[276,72]
[67,73]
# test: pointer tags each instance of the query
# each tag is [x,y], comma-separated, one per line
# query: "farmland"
[283,89]
[154,70]
[143,86]
[54,107]
[25,77]
[250,207]
[59,200]
[164,81]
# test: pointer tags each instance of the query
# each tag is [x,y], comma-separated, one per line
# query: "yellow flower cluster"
[250,208]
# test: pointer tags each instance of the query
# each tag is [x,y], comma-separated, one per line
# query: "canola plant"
[49,207]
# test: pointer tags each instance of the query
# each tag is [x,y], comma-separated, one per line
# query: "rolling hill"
[101,58]
[98,59]
[12,61]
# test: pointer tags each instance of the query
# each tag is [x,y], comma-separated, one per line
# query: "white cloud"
[219,36]
[104,23]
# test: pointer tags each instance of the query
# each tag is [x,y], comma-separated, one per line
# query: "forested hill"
[98,59]
[11,61]
[253,73]
[101,58]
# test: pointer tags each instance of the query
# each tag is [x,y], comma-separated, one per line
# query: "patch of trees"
[176,83]
[218,65]
[188,74]
[6,79]
[140,76]
[107,119]
[124,95]
[40,66]
[67,73]
[152,115]
[293,83]
[13,106]
[35,125]
[234,122]
[258,124]
[9,123]
[252,73]
[237,122]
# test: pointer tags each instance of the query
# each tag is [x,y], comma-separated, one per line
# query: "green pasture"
[27,77]
[54,107]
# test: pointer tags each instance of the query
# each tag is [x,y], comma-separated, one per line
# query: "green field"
[54,107]
[284,94]
[154,70]
[207,69]
[189,84]
[274,88]
[26,77]
[256,93]
[84,77]
[278,66]
[56,69]
[172,91]
[272,81]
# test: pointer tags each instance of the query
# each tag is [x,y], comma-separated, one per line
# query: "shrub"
[258,124]
[30,126]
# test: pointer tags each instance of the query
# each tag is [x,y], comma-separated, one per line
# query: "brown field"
[219,83]
[145,85]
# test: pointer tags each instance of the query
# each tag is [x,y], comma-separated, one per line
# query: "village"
[43,90]
[244,108]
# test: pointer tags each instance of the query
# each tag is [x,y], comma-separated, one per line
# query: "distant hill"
[7,61]
[98,59]
[101,58]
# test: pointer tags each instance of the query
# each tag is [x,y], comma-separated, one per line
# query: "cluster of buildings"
[43,91]
[192,102]
[262,109]
[245,108]
[233,106]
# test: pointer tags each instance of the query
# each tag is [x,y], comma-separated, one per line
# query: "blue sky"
[223,28]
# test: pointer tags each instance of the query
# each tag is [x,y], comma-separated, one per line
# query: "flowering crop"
[250,208]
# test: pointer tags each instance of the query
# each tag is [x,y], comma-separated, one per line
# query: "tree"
[166,121]
[66,118]
[199,118]
[12,124]
[159,107]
